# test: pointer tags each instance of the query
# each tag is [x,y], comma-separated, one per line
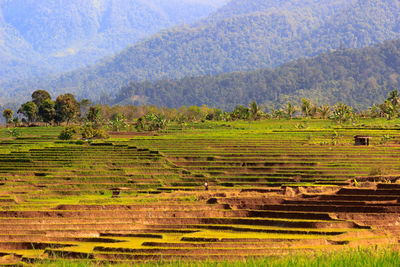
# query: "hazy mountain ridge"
[241,7]
[238,43]
[65,34]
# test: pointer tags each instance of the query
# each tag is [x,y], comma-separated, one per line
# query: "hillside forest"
[357,77]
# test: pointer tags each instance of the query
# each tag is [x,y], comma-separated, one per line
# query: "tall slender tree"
[290,110]
[8,114]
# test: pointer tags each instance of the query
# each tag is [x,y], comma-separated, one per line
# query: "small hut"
[360,140]
[116,191]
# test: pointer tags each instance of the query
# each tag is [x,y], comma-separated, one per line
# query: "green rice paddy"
[275,191]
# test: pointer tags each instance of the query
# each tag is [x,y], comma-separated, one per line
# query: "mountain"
[359,77]
[240,36]
[242,7]
[60,35]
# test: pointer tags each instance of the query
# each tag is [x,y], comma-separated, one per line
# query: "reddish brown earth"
[314,218]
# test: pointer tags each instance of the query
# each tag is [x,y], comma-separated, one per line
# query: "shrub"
[68,133]
[118,122]
[88,132]
[14,132]
[385,138]
[375,171]
[151,122]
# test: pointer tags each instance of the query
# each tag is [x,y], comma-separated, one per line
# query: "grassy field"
[281,192]
[346,258]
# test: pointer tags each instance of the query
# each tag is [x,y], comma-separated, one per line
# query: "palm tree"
[394,98]
[254,111]
[389,109]
[290,110]
[342,113]
[324,111]
[8,114]
[375,111]
[306,107]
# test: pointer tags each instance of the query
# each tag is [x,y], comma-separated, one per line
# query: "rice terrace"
[275,190]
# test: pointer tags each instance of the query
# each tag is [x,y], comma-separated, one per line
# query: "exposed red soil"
[290,210]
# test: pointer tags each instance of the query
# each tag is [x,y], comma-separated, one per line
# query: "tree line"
[65,109]
[43,109]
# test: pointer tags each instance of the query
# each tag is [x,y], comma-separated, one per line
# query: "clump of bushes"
[376,171]
[151,122]
[87,131]
[68,133]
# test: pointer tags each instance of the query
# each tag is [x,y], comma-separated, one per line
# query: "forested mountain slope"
[241,7]
[60,35]
[277,32]
[359,77]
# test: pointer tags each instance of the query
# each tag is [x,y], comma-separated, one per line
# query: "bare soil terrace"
[269,194]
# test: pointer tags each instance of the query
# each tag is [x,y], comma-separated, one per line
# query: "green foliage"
[290,110]
[118,122]
[394,98]
[39,96]
[8,114]
[16,121]
[47,111]
[342,113]
[240,112]
[335,139]
[307,108]
[68,133]
[301,125]
[215,114]
[385,138]
[388,109]
[94,115]
[324,111]
[14,132]
[67,108]
[88,132]
[254,111]
[29,110]
[151,122]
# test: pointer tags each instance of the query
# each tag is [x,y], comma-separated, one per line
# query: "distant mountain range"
[40,36]
[243,35]
[359,77]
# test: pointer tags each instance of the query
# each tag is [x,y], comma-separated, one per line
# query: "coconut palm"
[255,111]
[290,110]
[394,98]
[324,111]
[306,107]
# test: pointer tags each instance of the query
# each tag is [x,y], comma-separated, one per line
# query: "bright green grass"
[360,257]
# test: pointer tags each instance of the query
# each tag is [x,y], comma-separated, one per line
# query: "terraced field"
[271,193]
